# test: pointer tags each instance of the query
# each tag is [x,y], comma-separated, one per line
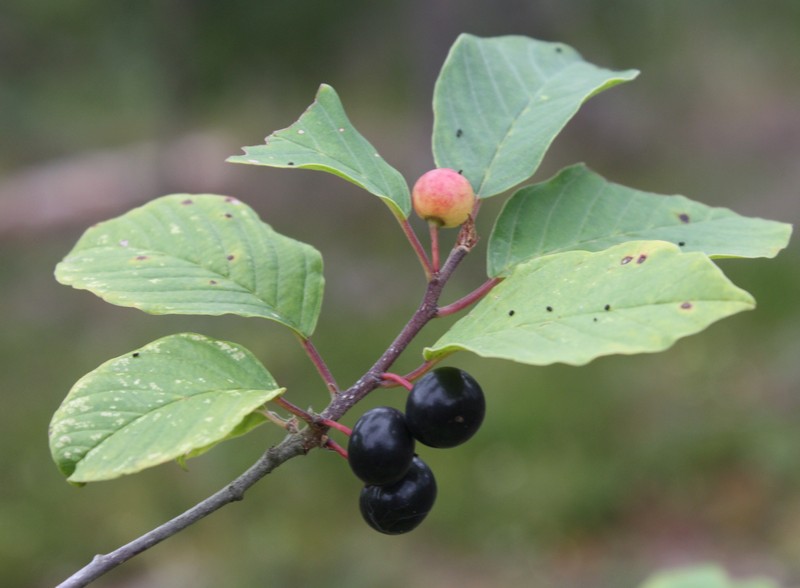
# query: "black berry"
[400,507]
[381,447]
[445,407]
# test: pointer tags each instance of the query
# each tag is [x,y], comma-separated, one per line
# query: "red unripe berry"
[443,196]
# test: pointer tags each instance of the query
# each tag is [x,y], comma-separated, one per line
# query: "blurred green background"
[590,476]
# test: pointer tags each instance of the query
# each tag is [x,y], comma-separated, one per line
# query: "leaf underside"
[638,297]
[173,398]
[500,102]
[198,254]
[579,210]
[324,139]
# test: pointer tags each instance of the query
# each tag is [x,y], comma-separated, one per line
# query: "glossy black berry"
[400,507]
[381,447]
[445,407]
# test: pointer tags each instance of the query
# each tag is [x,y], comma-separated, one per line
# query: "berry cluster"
[444,409]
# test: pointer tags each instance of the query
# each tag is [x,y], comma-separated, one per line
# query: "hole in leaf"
[626,260]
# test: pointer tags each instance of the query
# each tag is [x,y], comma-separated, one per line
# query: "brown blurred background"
[589,476]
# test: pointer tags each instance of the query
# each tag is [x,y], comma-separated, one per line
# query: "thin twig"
[292,446]
[424,313]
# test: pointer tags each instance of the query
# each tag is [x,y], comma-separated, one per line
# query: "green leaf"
[198,254]
[578,209]
[161,402]
[572,307]
[703,576]
[500,102]
[694,577]
[325,139]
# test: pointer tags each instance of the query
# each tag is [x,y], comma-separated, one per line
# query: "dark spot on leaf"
[559,49]
[681,243]
[290,163]
[626,260]
[549,309]
[230,257]
[187,201]
[141,257]
[135,354]
[607,307]
[683,217]
[212,282]
[459,132]
[510,313]
[686,305]
[642,258]
[460,171]
[228,215]
[595,319]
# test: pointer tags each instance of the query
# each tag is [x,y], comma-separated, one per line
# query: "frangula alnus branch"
[294,444]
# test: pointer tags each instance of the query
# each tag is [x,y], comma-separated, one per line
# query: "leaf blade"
[324,139]
[500,102]
[572,307]
[578,209]
[161,402]
[198,254]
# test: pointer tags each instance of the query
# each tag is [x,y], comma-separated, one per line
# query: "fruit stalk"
[390,377]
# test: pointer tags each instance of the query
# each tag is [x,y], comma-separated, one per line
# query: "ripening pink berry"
[443,196]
